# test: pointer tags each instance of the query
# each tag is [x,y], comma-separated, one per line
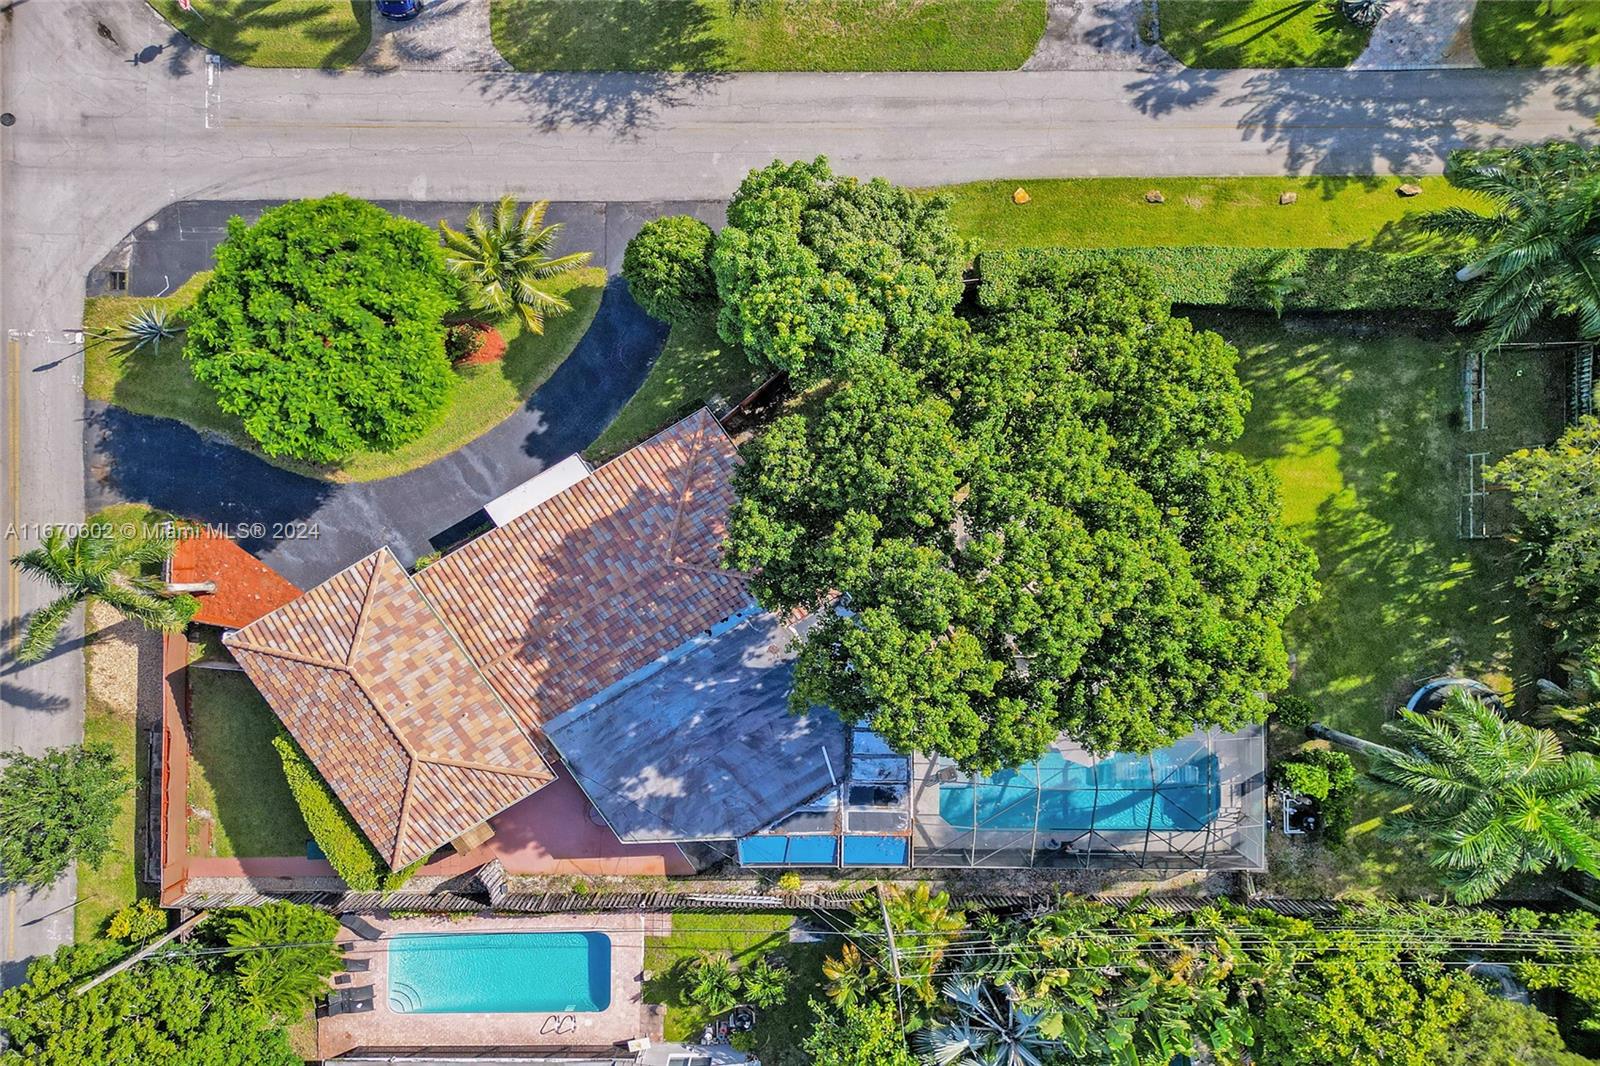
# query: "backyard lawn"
[1361,422]
[1537,33]
[235,775]
[276,33]
[159,383]
[746,937]
[1258,33]
[1331,212]
[730,35]
[693,369]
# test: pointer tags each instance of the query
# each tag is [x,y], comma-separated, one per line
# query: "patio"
[624,1019]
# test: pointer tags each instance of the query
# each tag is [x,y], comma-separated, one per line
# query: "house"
[597,630]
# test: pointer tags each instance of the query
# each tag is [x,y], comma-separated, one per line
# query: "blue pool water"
[499,973]
[1166,791]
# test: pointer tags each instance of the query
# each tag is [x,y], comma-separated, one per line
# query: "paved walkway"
[448,35]
[115,118]
[1419,34]
[1096,35]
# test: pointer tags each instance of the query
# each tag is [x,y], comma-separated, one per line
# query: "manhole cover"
[8,119]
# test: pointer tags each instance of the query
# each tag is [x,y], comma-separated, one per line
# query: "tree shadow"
[1360,418]
[239,30]
[612,64]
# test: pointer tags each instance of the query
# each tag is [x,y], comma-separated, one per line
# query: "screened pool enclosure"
[1199,803]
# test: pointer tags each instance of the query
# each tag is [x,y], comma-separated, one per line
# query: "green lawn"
[746,937]
[1331,212]
[160,383]
[114,885]
[1537,33]
[1361,424]
[235,772]
[1258,33]
[716,35]
[693,369]
[276,33]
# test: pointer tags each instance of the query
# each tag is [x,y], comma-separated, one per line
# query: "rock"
[1287,198]
[1020,196]
[1154,197]
[1409,189]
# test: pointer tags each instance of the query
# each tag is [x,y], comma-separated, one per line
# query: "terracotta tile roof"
[381,677]
[247,588]
[602,578]
[394,715]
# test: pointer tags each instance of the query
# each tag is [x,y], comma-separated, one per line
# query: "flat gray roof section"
[700,744]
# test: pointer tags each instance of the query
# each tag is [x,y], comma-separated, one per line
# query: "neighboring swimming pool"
[499,973]
[1165,791]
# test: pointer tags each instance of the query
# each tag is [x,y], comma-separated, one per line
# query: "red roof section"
[247,588]
[395,717]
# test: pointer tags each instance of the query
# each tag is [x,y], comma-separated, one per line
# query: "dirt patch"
[124,667]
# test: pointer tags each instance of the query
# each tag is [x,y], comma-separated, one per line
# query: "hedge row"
[1304,279]
[346,847]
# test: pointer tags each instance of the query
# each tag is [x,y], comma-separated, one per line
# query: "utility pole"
[894,955]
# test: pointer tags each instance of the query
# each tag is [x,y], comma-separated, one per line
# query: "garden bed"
[159,383]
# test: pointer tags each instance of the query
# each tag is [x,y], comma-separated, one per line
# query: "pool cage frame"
[1233,839]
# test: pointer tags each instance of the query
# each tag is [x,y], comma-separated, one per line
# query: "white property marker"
[213,92]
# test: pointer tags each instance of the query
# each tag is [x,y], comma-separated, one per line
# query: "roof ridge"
[692,467]
[366,605]
[465,764]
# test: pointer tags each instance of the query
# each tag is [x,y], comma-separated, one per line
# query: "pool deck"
[625,1019]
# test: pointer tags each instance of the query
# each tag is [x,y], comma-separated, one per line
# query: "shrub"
[668,268]
[346,847]
[764,983]
[789,881]
[713,984]
[137,922]
[1327,776]
[1259,279]
[1294,712]
[321,328]
[474,344]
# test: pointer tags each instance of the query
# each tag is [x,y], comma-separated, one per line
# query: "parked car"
[399,10]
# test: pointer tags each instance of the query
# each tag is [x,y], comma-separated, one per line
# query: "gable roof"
[393,714]
[600,579]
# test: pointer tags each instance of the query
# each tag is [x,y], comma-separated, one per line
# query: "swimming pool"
[1165,791]
[499,973]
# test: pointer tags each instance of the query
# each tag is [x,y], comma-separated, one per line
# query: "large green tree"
[322,329]
[1537,254]
[814,267]
[57,808]
[1556,491]
[172,1012]
[283,955]
[103,563]
[1028,525]
[867,1035]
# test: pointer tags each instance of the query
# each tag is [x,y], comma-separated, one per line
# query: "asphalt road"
[115,118]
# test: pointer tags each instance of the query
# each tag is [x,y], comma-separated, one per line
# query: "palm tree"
[1493,797]
[985,1033]
[505,264]
[1539,252]
[286,955]
[99,563]
[924,927]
